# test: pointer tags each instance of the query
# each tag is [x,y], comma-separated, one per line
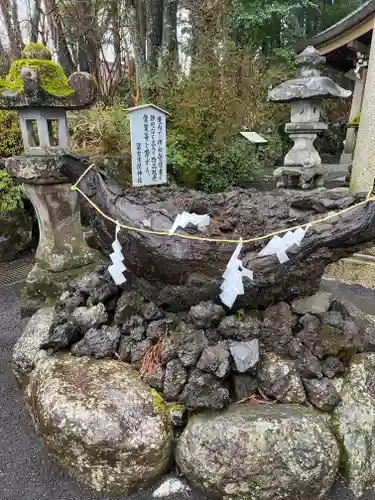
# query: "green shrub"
[237,163]
[10,135]
[11,194]
[233,166]
[100,131]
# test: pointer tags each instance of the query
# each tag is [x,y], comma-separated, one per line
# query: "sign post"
[148,145]
[254,138]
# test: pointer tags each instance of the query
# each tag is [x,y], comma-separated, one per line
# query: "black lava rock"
[62,337]
[98,343]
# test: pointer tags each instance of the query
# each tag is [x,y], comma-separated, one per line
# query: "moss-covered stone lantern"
[41,93]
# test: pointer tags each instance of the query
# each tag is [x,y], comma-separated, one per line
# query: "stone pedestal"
[61,243]
[303,130]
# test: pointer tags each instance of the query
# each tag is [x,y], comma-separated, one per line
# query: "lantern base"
[43,287]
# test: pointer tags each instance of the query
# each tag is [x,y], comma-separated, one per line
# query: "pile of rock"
[115,432]
[205,358]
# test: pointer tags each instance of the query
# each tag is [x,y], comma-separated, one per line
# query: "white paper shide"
[233,276]
[118,268]
[279,246]
[186,218]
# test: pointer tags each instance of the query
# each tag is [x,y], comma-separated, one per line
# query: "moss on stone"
[53,80]
[158,402]
[36,51]
[175,407]
[334,424]
[49,300]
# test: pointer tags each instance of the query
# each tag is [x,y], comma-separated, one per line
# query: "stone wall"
[207,358]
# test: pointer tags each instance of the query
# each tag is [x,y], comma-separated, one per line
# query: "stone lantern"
[38,89]
[302,164]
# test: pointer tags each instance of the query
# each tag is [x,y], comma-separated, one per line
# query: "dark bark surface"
[179,273]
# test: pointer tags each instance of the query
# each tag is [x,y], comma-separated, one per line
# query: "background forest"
[209,63]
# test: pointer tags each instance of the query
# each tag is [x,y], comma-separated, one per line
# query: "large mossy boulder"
[353,421]
[100,422]
[259,452]
[16,234]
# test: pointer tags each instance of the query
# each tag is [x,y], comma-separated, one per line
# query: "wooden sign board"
[148,145]
[254,137]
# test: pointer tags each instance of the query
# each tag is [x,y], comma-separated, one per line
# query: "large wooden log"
[178,273]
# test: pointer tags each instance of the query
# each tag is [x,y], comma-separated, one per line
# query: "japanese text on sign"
[148,142]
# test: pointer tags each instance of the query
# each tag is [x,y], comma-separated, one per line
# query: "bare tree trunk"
[137,28]
[58,36]
[155,13]
[17,26]
[90,36]
[83,61]
[9,12]
[170,46]
[35,21]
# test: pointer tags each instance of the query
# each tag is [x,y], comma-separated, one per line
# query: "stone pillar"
[303,130]
[363,171]
[61,242]
[351,134]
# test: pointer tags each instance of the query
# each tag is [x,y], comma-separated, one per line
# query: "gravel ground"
[25,469]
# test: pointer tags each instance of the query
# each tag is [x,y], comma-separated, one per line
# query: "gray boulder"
[138,352]
[335,342]
[215,360]
[125,348]
[204,392]
[88,282]
[27,352]
[244,386]
[279,379]
[136,327]
[99,343]
[155,378]
[306,363]
[276,332]
[62,336]
[158,329]
[322,394]
[103,293]
[353,422]
[190,346]
[316,304]
[128,304]
[259,452]
[89,317]
[69,301]
[206,314]
[175,379]
[100,423]
[333,367]
[245,355]
[152,312]
[333,318]
[240,329]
